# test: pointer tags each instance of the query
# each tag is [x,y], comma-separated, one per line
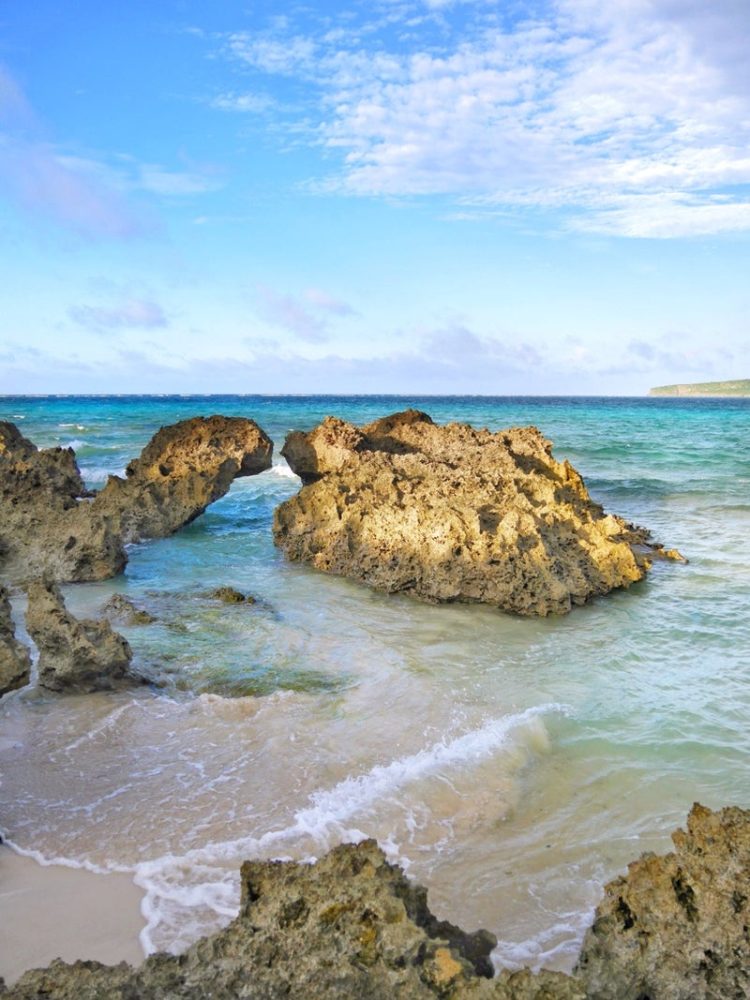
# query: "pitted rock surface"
[352,925]
[15,661]
[76,656]
[183,469]
[123,611]
[454,514]
[349,926]
[51,526]
[677,926]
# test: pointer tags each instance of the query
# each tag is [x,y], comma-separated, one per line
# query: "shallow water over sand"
[512,765]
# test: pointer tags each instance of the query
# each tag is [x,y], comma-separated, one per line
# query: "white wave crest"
[99,473]
[283,470]
[186,894]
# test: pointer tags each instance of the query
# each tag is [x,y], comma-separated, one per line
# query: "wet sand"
[49,912]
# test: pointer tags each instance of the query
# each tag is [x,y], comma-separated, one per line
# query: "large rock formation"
[45,525]
[49,525]
[454,514]
[351,925]
[677,926]
[74,655]
[15,662]
[183,469]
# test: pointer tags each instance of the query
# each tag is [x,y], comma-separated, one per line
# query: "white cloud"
[252,103]
[452,360]
[95,196]
[327,303]
[306,316]
[290,314]
[131,313]
[633,116]
[61,190]
[274,55]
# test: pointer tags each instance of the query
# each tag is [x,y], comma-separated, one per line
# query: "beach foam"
[186,896]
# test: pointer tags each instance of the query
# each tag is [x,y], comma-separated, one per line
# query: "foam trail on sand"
[185,894]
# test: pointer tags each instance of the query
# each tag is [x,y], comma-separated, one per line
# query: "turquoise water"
[512,765]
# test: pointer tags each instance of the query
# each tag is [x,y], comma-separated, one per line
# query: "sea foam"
[188,895]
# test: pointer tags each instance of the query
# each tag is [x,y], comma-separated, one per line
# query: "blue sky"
[423,196]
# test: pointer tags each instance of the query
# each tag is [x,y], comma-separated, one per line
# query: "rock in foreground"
[352,926]
[76,656]
[15,662]
[454,514]
[349,926]
[50,526]
[677,926]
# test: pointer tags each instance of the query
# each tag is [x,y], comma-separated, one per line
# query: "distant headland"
[737,387]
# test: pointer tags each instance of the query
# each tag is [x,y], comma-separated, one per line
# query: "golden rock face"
[454,514]
[51,526]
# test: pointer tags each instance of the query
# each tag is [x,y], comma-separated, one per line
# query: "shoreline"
[52,911]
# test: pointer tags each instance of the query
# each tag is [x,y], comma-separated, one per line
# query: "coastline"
[51,911]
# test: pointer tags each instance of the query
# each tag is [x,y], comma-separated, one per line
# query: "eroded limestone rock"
[78,656]
[15,661]
[351,925]
[183,469]
[46,524]
[454,514]
[677,926]
[229,595]
[51,526]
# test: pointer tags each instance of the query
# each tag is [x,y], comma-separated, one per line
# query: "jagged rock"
[46,524]
[53,469]
[122,610]
[183,469]
[15,661]
[677,926]
[74,655]
[50,526]
[349,926]
[352,925]
[454,514]
[228,595]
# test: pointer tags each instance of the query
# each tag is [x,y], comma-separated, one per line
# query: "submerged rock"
[50,526]
[228,595]
[352,925]
[74,655]
[15,660]
[454,514]
[122,610]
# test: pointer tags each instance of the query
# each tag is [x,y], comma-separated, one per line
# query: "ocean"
[512,766]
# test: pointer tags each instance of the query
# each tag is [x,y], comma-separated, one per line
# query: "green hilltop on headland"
[737,387]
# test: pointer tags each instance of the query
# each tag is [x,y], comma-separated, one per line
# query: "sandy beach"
[49,912]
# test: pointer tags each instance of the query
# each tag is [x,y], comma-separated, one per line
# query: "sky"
[406,196]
